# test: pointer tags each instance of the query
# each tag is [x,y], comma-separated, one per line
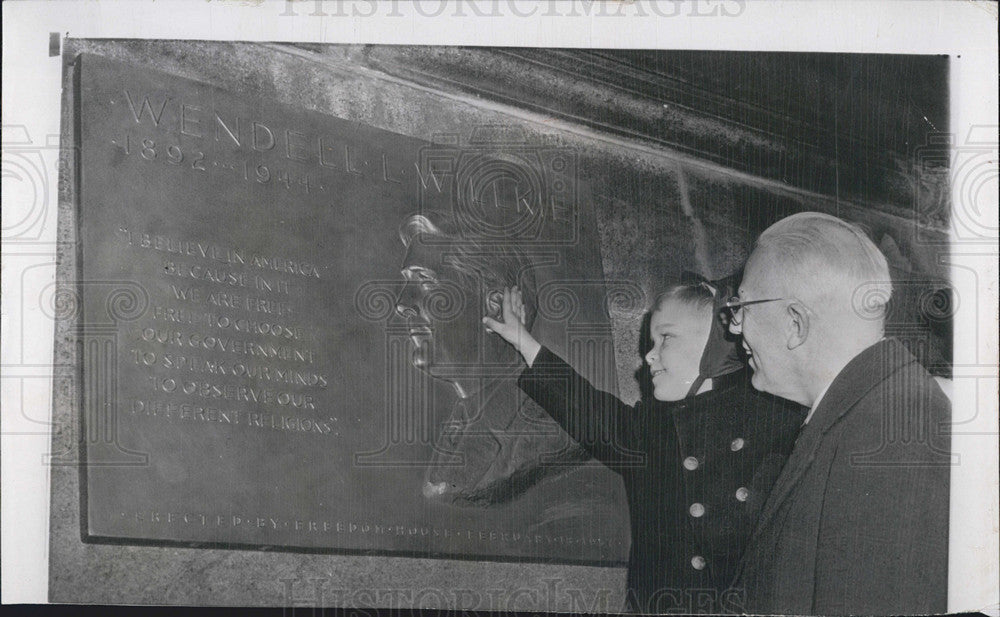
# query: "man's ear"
[494,303]
[798,325]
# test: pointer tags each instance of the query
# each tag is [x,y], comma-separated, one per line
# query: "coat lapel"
[868,369]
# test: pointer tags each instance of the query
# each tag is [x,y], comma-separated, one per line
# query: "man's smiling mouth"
[750,358]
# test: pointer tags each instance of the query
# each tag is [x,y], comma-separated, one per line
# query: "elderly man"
[857,523]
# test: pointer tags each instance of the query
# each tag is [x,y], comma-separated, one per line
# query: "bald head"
[825,285]
[826,262]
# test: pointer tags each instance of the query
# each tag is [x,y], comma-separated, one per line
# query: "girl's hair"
[699,297]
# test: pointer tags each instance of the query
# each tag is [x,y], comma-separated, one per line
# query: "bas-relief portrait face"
[492,443]
[450,284]
[446,341]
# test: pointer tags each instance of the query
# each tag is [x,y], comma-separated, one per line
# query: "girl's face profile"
[679,333]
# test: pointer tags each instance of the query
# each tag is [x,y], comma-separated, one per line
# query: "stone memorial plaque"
[281,331]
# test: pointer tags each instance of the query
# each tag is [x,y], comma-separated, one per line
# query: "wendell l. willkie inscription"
[261,367]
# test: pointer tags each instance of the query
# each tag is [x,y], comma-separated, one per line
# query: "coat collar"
[722,406]
[722,387]
[868,369]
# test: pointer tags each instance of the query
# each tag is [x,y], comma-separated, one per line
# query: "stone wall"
[674,190]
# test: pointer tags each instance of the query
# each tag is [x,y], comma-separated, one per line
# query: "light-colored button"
[690,463]
[696,510]
[742,493]
[698,562]
[737,444]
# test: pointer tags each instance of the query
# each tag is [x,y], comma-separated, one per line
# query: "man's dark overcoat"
[858,521]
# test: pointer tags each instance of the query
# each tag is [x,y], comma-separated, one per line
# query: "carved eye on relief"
[425,279]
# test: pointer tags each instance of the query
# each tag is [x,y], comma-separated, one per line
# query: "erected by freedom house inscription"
[281,336]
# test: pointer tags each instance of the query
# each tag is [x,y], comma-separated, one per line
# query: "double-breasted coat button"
[698,562]
[696,510]
[742,493]
[690,463]
[737,444]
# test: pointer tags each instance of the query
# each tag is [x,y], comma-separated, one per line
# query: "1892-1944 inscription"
[253,371]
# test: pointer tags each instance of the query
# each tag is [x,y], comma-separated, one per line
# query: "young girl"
[698,461]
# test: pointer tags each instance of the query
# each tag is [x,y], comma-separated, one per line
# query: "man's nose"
[650,356]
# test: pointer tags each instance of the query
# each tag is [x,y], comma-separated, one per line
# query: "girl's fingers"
[508,304]
[518,302]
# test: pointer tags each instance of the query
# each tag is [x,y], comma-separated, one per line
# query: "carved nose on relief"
[405,311]
[434,489]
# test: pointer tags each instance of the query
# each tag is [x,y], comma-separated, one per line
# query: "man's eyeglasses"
[732,310]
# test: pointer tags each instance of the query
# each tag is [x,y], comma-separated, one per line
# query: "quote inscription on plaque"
[247,378]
